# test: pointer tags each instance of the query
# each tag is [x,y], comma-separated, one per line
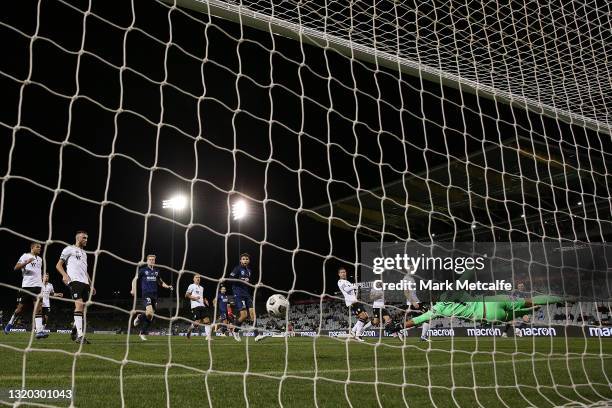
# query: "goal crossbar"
[241,14]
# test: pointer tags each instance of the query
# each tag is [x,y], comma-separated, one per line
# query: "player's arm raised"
[21,265]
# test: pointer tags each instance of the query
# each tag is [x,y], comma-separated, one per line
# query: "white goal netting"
[296,131]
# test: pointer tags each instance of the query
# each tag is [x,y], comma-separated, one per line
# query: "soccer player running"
[200,310]
[149,281]
[242,294]
[349,291]
[47,292]
[221,302]
[30,265]
[75,276]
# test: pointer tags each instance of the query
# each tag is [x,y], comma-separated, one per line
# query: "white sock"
[39,325]
[424,329]
[208,329]
[78,323]
[13,317]
[358,327]
[365,326]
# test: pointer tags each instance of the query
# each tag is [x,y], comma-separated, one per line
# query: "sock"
[365,326]
[13,317]
[39,324]
[207,329]
[78,323]
[237,326]
[358,327]
[424,330]
[145,326]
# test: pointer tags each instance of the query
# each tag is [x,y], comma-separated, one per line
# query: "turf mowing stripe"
[294,372]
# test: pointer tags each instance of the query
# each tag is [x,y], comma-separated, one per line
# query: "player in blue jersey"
[149,280]
[221,303]
[241,276]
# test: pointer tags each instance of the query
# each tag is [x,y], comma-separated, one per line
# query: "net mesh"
[110,108]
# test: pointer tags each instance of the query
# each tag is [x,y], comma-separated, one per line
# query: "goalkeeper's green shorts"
[505,311]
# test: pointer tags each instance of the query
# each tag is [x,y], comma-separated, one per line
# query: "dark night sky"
[221,134]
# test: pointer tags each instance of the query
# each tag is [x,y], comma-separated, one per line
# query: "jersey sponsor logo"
[536,331]
[441,332]
[600,331]
[484,332]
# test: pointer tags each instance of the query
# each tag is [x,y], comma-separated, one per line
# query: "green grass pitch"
[305,372]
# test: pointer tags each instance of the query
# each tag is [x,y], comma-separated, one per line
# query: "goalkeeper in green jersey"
[483,308]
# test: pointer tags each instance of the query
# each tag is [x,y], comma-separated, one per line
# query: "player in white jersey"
[75,276]
[47,292]
[349,291]
[30,265]
[200,310]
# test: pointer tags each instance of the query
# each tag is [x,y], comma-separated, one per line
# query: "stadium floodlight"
[239,210]
[176,203]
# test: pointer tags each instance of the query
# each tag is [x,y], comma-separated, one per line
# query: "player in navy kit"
[222,303]
[243,300]
[149,280]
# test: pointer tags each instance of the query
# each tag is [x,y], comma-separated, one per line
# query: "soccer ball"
[277,305]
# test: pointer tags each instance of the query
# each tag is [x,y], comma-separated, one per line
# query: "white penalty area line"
[203,373]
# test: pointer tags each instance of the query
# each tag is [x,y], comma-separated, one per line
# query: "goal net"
[302,132]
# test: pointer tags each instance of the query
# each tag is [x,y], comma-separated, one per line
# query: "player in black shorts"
[30,265]
[349,291]
[200,310]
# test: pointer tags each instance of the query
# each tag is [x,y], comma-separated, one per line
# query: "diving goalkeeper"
[480,308]
[491,309]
